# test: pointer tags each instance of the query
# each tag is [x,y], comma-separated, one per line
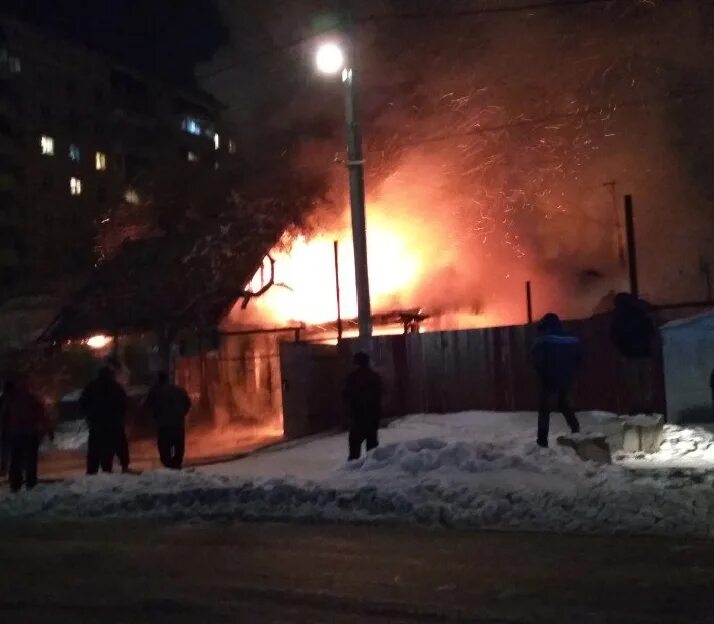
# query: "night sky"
[165,37]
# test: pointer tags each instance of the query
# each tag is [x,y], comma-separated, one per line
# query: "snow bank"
[70,435]
[471,470]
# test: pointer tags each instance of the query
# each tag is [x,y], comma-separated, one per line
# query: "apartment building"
[78,132]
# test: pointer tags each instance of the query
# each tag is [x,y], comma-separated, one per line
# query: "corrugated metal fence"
[491,369]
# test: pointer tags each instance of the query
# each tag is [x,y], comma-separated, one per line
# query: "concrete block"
[643,433]
[588,446]
[614,433]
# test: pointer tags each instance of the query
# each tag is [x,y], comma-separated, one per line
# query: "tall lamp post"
[331,59]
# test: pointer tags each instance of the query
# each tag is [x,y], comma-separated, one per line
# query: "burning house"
[159,303]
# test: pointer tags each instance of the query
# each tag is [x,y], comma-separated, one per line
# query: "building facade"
[78,132]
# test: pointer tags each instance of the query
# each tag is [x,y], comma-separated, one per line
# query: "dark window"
[71,86]
[73,122]
[101,195]
[46,111]
[48,183]
[99,95]
[136,166]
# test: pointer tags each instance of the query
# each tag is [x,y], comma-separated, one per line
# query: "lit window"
[47,145]
[191,156]
[192,126]
[131,196]
[75,186]
[14,64]
[231,146]
[74,153]
[100,161]
[216,141]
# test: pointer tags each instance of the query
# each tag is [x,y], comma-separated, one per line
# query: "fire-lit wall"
[483,369]
[238,383]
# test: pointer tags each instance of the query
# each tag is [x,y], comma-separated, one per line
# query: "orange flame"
[422,253]
[305,274]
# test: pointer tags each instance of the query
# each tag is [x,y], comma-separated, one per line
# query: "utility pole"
[355,165]
[337,290]
[529,302]
[631,246]
[618,229]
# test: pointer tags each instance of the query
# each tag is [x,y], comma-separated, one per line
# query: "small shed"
[688,352]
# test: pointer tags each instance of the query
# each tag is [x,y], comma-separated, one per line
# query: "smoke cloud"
[500,145]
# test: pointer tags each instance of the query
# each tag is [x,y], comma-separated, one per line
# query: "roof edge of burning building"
[171,282]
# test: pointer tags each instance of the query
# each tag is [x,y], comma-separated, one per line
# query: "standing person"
[169,404]
[363,395]
[104,404]
[26,422]
[633,333]
[557,357]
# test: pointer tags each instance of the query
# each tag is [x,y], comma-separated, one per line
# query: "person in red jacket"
[26,423]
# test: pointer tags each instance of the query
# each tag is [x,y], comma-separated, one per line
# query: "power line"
[535,6]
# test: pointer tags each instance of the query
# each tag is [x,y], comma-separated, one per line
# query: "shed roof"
[181,279]
[702,322]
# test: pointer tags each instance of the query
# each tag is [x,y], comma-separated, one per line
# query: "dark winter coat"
[24,414]
[556,358]
[632,329]
[104,404]
[363,395]
[169,405]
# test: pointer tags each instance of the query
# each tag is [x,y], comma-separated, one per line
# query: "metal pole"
[618,228]
[631,246]
[337,291]
[529,302]
[355,164]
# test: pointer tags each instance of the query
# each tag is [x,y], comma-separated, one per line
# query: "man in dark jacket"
[169,404]
[556,357]
[633,332]
[104,404]
[26,422]
[363,395]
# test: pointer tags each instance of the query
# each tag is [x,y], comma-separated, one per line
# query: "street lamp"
[331,59]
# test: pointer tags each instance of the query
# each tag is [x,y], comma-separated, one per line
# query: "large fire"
[416,255]
[305,288]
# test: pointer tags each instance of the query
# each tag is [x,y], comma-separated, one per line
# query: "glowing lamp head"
[98,342]
[330,58]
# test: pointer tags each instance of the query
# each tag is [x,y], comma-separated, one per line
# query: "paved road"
[140,573]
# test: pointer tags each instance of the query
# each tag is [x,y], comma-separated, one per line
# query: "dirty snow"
[70,435]
[470,470]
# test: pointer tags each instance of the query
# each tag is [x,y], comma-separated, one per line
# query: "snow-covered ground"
[71,435]
[475,469]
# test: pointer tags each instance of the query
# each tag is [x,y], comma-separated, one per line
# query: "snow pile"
[683,447]
[471,470]
[70,435]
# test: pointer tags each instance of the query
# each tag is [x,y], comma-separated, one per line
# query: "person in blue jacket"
[556,357]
